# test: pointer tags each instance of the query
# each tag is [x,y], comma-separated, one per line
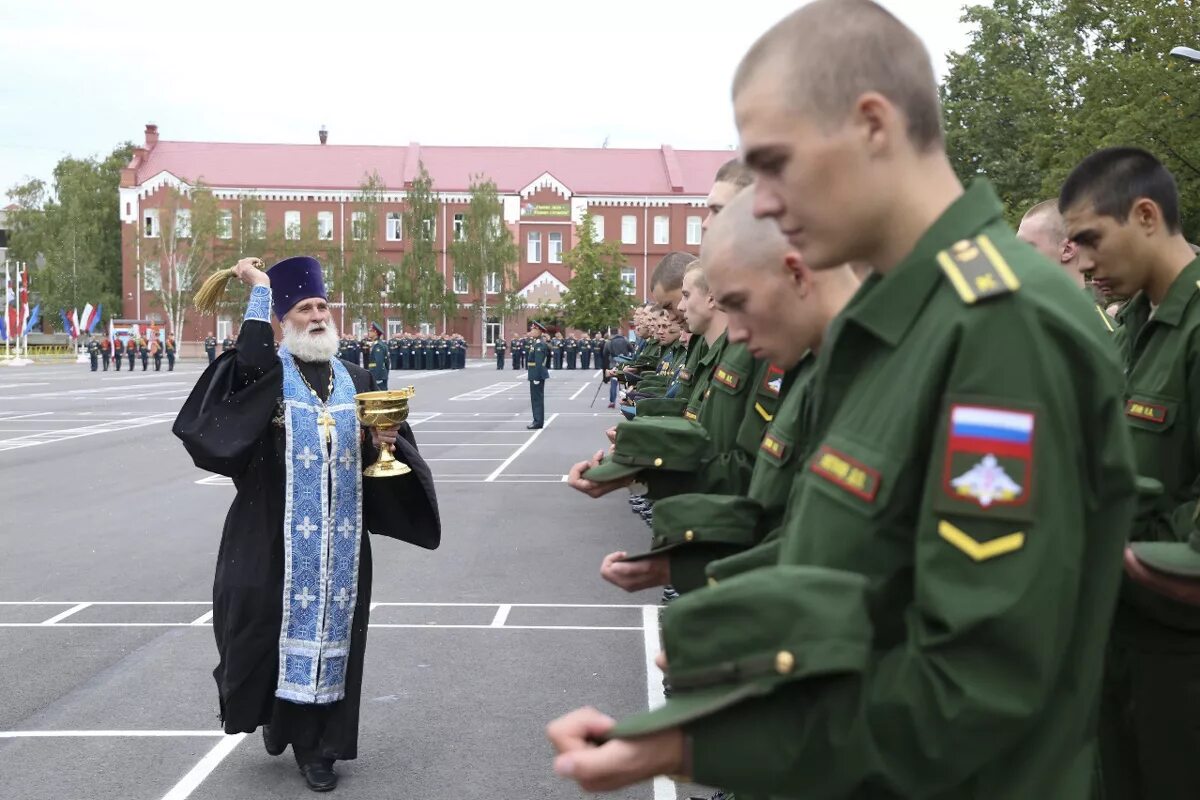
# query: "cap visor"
[657,551]
[608,470]
[1173,558]
[684,707]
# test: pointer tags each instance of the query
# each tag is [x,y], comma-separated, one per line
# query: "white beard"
[318,343]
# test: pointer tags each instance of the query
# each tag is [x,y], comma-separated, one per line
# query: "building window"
[492,283]
[430,226]
[225,224]
[395,223]
[554,248]
[533,250]
[291,224]
[629,278]
[598,225]
[359,225]
[224,328]
[150,223]
[693,230]
[460,283]
[492,331]
[628,229]
[151,277]
[183,223]
[458,227]
[662,230]
[395,327]
[389,282]
[325,225]
[258,224]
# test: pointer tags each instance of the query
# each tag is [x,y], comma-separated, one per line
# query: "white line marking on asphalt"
[596,374]
[373,604]
[579,390]
[467,444]
[203,619]
[664,788]
[216,480]
[491,478]
[424,419]
[103,734]
[73,610]
[501,616]
[114,426]
[19,385]
[12,417]
[188,783]
[464,459]
[485,392]
[371,625]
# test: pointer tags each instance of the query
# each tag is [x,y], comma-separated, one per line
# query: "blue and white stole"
[322,528]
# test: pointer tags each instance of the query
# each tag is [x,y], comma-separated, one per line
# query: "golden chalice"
[385,409]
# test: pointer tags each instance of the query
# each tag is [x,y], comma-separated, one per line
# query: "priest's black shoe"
[532,427]
[273,747]
[319,775]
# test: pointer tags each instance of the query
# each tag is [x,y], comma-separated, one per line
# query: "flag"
[33,319]
[95,318]
[70,329]
[75,321]
[23,306]
[85,317]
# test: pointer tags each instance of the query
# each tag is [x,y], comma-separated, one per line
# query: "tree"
[485,254]
[175,261]
[420,291]
[596,297]
[361,282]
[71,235]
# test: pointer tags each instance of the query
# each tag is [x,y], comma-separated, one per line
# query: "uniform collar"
[888,305]
[714,351]
[1174,304]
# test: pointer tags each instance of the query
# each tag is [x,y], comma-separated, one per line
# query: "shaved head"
[1044,229]
[831,52]
[743,240]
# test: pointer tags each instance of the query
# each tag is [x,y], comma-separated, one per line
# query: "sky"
[83,76]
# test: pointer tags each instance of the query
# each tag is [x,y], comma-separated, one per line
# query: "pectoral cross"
[325,421]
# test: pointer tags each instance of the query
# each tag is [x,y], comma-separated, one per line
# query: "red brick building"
[650,201]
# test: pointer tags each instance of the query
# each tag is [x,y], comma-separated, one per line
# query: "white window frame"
[224,224]
[257,228]
[492,283]
[598,227]
[359,225]
[325,225]
[291,224]
[395,226]
[662,229]
[629,278]
[460,223]
[395,327]
[183,223]
[430,228]
[460,282]
[151,269]
[150,223]
[628,229]
[554,246]
[224,328]
[492,330]
[533,247]
[695,228]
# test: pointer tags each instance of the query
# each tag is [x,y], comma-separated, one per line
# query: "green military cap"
[659,443]
[746,637]
[1173,558]
[661,406]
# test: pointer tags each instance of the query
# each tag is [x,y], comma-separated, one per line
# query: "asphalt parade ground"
[110,537]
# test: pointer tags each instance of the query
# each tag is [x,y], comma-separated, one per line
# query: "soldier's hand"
[385,436]
[611,433]
[633,576]
[577,481]
[249,271]
[617,763]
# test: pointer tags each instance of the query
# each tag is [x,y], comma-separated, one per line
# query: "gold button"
[785,662]
[658,462]
[689,535]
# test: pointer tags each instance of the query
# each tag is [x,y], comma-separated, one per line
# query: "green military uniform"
[210,348]
[379,363]
[537,373]
[93,351]
[986,517]
[226,344]
[1150,738]
[500,347]
[556,352]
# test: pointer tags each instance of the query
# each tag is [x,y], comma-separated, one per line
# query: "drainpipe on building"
[445,273]
[342,266]
[645,248]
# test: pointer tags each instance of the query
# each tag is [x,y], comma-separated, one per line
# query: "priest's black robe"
[232,425]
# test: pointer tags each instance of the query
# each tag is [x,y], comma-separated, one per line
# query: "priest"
[292,591]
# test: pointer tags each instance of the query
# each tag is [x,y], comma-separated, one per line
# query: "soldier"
[210,348]
[143,349]
[106,352]
[1121,209]
[131,348]
[118,350]
[556,351]
[93,351]
[500,350]
[443,352]
[364,348]
[974,529]
[515,349]
[571,350]
[402,345]
[170,350]
[598,343]
[585,351]
[227,344]
[156,353]
[461,342]
[378,358]
[537,374]
[393,346]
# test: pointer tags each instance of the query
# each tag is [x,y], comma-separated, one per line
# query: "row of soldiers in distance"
[932,512]
[101,350]
[417,351]
[569,350]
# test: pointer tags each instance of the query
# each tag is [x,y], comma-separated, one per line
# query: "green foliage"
[361,282]
[595,296]
[70,234]
[486,248]
[1045,82]
[182,253]
[420,291]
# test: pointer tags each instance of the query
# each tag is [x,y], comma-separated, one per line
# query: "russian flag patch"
[989,456]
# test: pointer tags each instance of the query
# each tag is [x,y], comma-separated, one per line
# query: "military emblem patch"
[773,381]
[762,412]
[691,414]
[977,270]
[727,377]
[843,471]
[773,447]
[1147,411]
[989,456]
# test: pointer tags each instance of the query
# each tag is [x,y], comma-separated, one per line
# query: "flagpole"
[7,332]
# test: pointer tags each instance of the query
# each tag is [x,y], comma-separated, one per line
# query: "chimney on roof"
[151,135]
[324,134]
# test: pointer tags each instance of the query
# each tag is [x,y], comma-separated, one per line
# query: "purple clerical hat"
[294,280]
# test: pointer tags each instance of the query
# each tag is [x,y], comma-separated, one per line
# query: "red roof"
[585,171]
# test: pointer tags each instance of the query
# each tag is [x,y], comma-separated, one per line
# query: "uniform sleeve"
[1169,519]
[1000,594]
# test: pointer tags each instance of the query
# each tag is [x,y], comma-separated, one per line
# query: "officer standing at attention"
[118,353]
[143,349]
[952,523]
[210,348]
[93,351]
[1121,209]
[394,351]
[556,351]
[170,349]
[227,344]
[500,348]
[131,349]
[516,353]
[537,373]
[378,359]
[585,351]
[571,348]
[105,352]
[156,352]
